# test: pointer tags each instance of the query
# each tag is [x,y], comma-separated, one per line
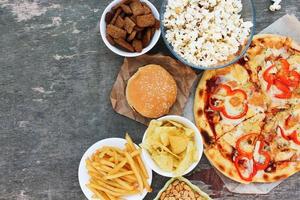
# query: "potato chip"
[164,161]
[187,160]
[178,144]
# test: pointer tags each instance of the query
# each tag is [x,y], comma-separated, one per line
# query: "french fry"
[111,197]
[103,189]
[113,183]
[106,197]
[107,163]
[124,184]
[138,158]
[98,194]
[115,158]
[135,170]
[118,175]
[118,167]
[129,179]
[147,186]
[113,189]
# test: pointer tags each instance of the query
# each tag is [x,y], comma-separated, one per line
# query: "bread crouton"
[118,12]
[115,32]
[120,22]
[147,37]
[137,8]
[121,42]
[145,20]
[131,36]
[137,45]
[126,9]
[128,25]
[147,9]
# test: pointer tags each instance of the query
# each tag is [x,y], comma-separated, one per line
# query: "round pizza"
[249,113]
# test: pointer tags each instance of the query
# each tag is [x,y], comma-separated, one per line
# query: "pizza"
[249,113]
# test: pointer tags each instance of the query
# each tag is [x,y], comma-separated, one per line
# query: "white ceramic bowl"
[119,51]
[84,177]
[199,143]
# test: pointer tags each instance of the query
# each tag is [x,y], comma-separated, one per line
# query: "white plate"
[199,143]
[84,177]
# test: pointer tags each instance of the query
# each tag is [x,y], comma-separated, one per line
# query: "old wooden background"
[55,79]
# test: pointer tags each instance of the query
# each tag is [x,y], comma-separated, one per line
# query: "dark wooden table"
[55,79]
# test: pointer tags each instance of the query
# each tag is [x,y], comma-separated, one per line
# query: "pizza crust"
[227,167]
[199,106]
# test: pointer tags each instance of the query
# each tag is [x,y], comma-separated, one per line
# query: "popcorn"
[275,6]
[205,32]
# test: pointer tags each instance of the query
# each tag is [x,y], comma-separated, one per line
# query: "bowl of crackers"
[130,28]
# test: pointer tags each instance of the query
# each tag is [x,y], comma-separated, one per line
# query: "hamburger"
[151,91]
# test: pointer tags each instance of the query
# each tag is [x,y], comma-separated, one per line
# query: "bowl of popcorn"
[208,34]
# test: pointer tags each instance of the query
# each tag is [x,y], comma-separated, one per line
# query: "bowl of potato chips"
[172,146]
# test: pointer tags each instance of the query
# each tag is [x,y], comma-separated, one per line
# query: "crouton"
[110,39]
[147,37]
[137,28]
[145,20]
[137,45]
[147,9]
[108,17]
[118,12]
[120,22]
[120,4]
[121,42]
[157,24]
[126,9]
[139,35]
[133,18]
[128,25]
[137,8]
[131,36]
[115,32]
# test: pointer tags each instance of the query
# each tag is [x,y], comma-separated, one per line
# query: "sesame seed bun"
[151,91]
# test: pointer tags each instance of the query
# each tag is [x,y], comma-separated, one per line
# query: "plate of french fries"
[113,168]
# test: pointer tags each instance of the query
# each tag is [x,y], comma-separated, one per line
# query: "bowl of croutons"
[130,28]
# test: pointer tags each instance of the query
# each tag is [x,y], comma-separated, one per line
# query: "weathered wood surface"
[55,78]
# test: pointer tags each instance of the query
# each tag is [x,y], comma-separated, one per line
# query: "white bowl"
[84,177]
[117,50]
[199,144]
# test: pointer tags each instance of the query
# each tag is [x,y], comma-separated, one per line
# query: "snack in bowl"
[130,24]
[151,91]
[171,148]
[117,173]
[249,113]
[180,188]
[205,33]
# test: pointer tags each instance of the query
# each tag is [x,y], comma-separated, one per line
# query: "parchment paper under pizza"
[249,113]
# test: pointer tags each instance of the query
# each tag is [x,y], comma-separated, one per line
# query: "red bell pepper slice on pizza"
[282,79]
[236,98]
[294,135]
[261,158]
[245,167]
[245,144]
[269,77]
[251,156]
